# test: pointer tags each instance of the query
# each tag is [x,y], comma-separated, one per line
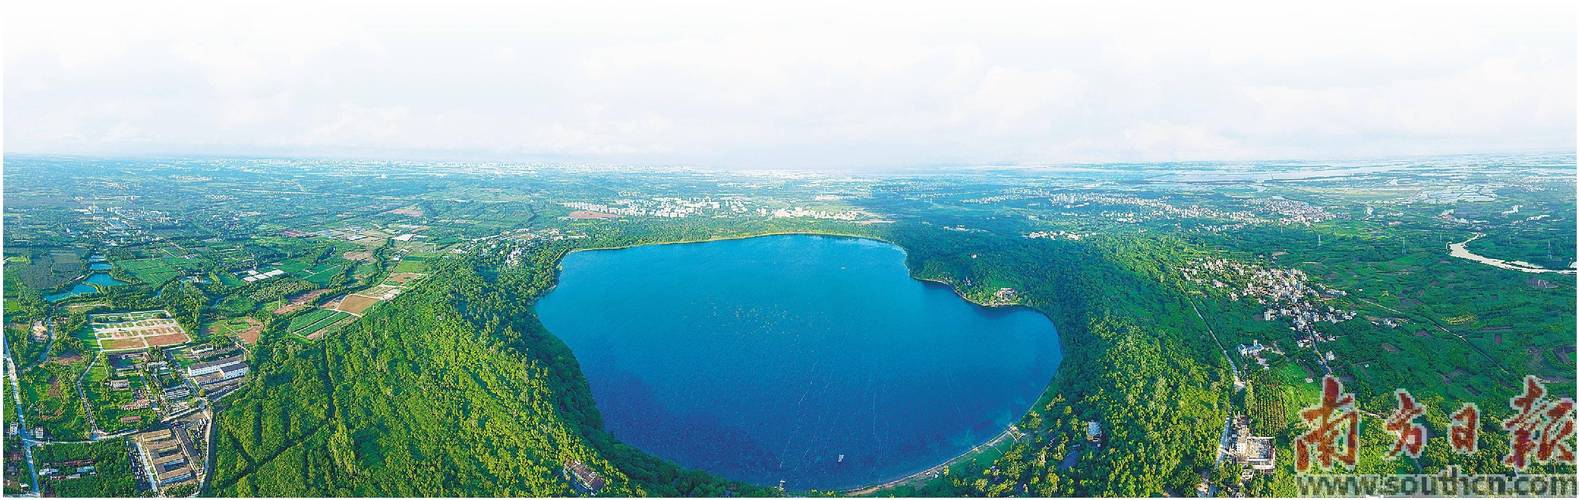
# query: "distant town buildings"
[1053,235]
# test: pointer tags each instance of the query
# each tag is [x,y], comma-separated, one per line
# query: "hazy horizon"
[803,86]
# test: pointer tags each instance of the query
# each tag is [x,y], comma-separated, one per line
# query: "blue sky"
[791,84]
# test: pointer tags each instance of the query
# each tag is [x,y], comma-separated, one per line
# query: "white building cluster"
[1053,235]
[1287,293]
[1293,212]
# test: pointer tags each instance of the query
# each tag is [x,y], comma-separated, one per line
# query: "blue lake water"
[85,287]
[764,359]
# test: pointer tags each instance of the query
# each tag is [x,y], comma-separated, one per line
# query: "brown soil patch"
[118,344]
[84,307]
[381,292]
[1389,347]
[404,278]
[362,256]
[299,301]
[585,215]
[411,211]
[251,334]
[164,340]
[355,304]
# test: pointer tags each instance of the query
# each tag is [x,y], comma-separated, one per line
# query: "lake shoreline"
[879,485]
[559,266]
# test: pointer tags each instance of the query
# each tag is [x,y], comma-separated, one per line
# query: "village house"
[1094,432]
[1006,295]
[583,478]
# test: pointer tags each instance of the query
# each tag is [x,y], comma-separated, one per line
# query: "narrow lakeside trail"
[936,469]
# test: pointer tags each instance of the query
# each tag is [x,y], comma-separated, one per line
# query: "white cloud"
[801,84]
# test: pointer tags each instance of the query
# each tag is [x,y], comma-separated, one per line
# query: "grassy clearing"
[49,393]
[152,271]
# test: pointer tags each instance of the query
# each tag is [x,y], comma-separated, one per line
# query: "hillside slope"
[413,400]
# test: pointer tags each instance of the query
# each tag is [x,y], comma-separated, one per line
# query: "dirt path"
[87,406]
[935,470]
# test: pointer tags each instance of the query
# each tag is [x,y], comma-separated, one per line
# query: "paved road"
[1219,343]
[208,451]
[21,419]
[1223,444]
[94,432]
[49,342]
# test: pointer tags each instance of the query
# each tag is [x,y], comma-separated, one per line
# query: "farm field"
[246,329]
[412,264]
[153,270]
[298,301]
[355,303]
[46,269]
[315,323]
[402,278]
[319,273]
[136,330]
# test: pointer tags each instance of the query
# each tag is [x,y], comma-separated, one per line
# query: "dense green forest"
[1164,409]
[1134,364]
[451,390]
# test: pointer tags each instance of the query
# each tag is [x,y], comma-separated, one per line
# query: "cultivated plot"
[137,330]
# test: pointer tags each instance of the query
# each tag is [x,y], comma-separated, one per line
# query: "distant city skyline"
[802,85]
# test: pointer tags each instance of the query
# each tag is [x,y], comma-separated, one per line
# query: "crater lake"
[816,361]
